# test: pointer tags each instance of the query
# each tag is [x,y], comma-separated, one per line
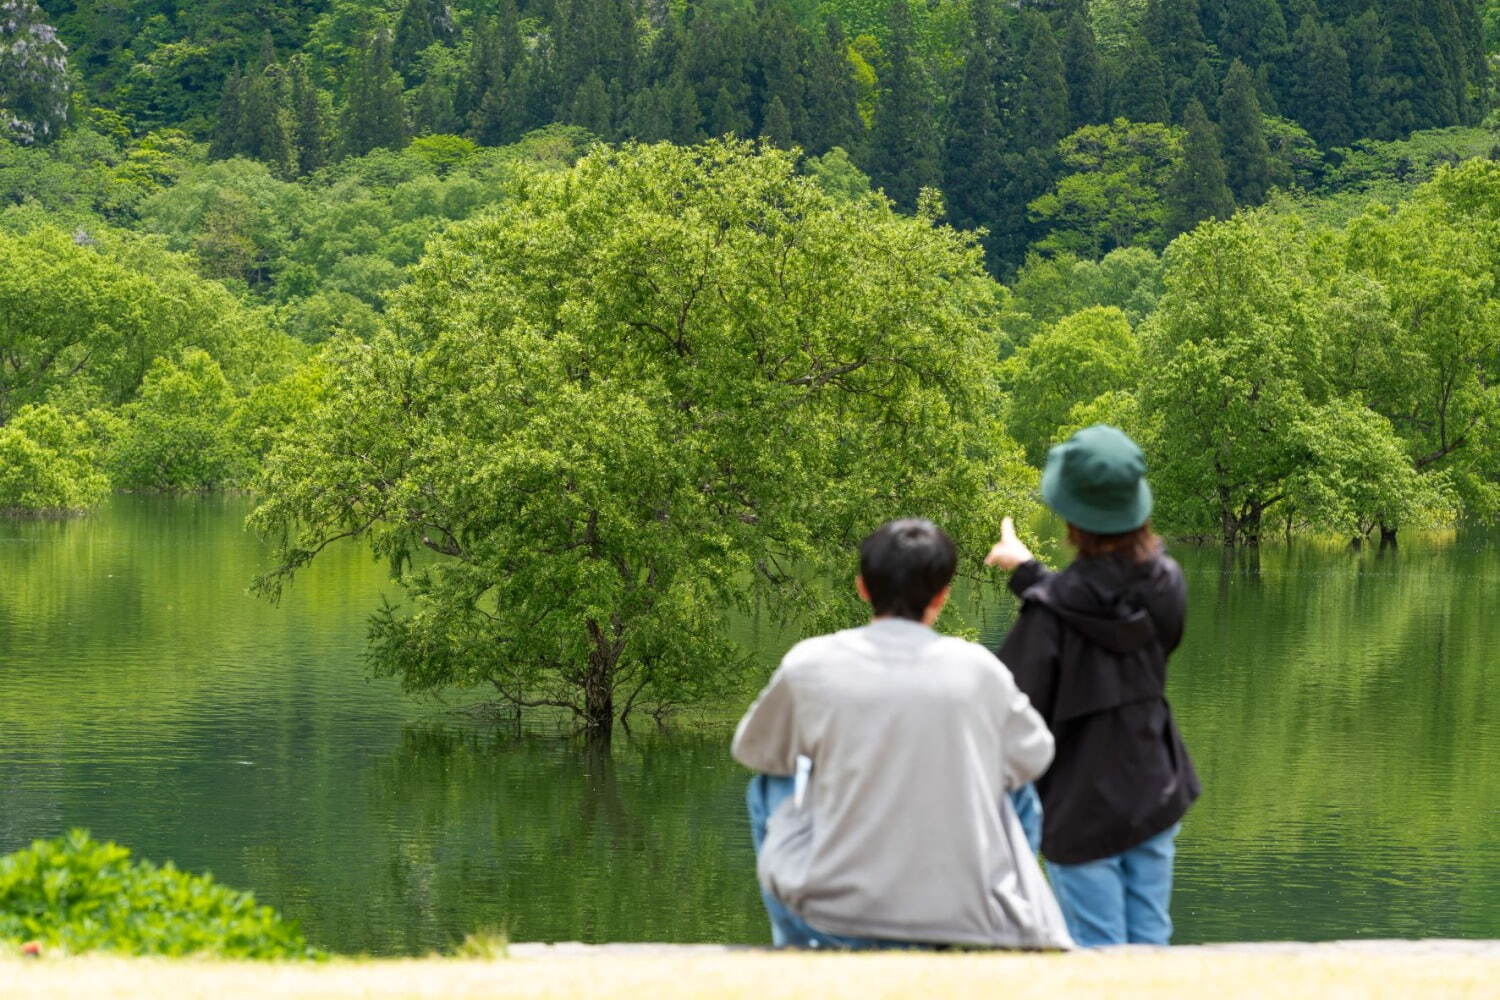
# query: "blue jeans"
[788,930]
[1028,806]
[1122,899]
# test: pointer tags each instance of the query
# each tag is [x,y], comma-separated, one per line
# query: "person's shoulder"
[971,654]
[811,651]
[1164,572]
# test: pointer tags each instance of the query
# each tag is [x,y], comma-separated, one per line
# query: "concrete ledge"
[1398,970]
[1427,947]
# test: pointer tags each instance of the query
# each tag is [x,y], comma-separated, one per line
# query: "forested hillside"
[972,98]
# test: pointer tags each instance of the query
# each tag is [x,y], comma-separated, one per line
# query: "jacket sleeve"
[1173,603]
[1027,740]
[1030,651]
[766,739]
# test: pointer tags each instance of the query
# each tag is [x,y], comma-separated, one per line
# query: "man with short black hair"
[881,816]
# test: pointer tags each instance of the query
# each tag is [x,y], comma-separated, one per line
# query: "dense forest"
[599,317]
[971,98]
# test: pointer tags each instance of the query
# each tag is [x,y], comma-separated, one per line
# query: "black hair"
[905,564]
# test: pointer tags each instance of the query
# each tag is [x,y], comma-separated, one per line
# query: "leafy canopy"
[666,383]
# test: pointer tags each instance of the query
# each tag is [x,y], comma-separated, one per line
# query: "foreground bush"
[77,894]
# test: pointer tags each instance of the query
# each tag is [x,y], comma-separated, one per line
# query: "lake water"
[1341,707]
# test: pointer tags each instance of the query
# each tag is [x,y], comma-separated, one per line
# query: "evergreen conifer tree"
[1318,94]
[1042,102]
[727,116]
[832,100]
[1367,44]
[1247,158]
[310,132]
[1421,94]
[776,125]
[1252,31]
[682,112]
[374,116]
[1441,18]
[1085,72]
[592,107]
[777,71]
[903,144]
[1198,190]
[1176,35]
[974,154]
[265,130]
[422,23]
[1139,91]
[227,123]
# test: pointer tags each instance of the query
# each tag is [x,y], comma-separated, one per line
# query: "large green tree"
[1236,362]
[668,382]
[1083,356]
[1113,193]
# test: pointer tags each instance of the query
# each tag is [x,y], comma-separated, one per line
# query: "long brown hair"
[1138,545]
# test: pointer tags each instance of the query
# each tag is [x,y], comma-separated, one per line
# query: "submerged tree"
[669,382]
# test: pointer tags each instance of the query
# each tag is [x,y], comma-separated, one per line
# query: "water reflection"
[1337,702]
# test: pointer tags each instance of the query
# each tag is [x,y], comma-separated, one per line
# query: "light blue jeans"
[788,930]
[1122,899]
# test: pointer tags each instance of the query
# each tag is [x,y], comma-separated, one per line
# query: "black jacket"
[1090,649]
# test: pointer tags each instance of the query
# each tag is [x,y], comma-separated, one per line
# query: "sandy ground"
[1327,971]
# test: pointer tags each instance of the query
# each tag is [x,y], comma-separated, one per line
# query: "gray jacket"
[905,832]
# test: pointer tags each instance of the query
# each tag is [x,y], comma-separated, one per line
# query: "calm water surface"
[1338,705]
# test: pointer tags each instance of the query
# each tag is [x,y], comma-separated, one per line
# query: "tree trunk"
[1387,537]
[1249,526]
[599,681]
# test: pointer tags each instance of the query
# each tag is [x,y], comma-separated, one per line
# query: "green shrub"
[78,895]
[178,434]
[48,463]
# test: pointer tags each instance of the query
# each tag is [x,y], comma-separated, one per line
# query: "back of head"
[905,564]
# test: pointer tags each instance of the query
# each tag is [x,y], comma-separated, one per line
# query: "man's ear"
[935,606]
[861,589]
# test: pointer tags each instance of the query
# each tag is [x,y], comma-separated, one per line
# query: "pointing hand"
[1010,551]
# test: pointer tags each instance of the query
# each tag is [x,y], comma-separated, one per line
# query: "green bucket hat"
[1097,480]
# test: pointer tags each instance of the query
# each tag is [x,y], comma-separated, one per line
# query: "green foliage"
[79,895]
[1083,356]
[836,174]
[1247,156]
[1431,366]
[1360,477]
[72,313]
[49,463]
[178,434]
[1236,362]
[443,152]
[1049,288]
[1198,188]
[1113,194]
[903,142]
[667,382]
[1345,380]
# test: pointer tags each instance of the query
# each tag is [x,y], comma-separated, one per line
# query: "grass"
[1321,972]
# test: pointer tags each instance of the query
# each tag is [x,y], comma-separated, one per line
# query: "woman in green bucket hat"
[1090,649]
